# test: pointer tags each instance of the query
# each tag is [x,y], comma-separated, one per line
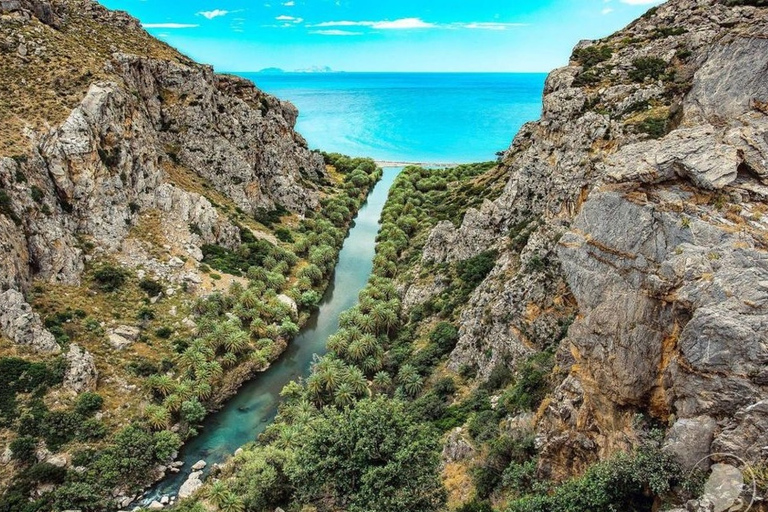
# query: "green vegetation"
[592,55]
[372,457]
[654,127]
[22,376]
[589,57]
[6,207]
[628,482]
[755,3]
[243,328]
[109,277]
[647,67]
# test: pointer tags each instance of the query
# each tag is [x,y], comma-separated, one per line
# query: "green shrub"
[531,385]
[592,55]
[164,332]
[24,449]
[445,336]
[503,451]
[153,288]
[654,127]
[6,207]
[647,67]
[475,506]
[475,269]
[88,403]
[36,193]
[628,482]
[483,426]
[110,278]
[372,457]
[500,376]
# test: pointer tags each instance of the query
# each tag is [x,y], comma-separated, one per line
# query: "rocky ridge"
[632,240]
[142,135]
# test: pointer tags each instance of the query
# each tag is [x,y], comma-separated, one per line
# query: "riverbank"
[254,405]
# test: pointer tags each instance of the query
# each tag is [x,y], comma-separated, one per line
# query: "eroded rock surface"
[640,204]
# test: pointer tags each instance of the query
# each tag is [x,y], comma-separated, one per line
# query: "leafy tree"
[372,457]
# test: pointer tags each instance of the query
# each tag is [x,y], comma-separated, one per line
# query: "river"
[254,406]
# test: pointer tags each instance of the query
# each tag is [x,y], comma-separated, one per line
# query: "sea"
[429,118]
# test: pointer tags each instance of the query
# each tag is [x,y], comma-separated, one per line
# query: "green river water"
[254,406]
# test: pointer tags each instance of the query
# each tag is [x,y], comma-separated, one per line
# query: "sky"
[382,35]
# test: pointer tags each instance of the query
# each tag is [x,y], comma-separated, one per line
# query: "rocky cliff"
[632,241]
[107,132]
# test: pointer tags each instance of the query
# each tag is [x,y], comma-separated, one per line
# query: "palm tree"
[163,384]
[345,395]
[386,318]
[229,360]
[357,350]
[157,416]
[203,390]
[232,503]
[217,493]
[367,324]
[173,402]
[315,387]
[413,384]
[356,380]
[258,327]
[249,299]
[382,382]
[337,343]
[192,358]
[406,373]
[371,364]
[236,341]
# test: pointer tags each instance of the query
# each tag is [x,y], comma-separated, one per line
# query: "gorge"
[575,326]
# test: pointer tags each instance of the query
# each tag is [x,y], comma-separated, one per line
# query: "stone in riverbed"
[199,465]
[192,484]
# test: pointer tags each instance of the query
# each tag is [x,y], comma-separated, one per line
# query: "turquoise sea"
[410,117]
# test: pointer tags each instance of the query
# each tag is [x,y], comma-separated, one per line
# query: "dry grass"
[458,483]
[122,391]
[39,90]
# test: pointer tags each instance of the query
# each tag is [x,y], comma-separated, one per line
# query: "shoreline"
[440,165]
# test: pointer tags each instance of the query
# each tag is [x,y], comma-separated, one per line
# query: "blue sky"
[382,35]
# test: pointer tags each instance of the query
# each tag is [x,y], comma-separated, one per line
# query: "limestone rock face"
[149,136]
[81,374]
[640,203]
[22,325]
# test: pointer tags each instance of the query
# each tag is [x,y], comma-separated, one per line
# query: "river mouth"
[247,414]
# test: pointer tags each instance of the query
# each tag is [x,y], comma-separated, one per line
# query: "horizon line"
[295,72]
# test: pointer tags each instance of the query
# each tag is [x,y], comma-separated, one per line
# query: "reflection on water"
[247,414]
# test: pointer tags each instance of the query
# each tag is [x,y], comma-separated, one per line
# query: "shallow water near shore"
[254,406]
[410,117]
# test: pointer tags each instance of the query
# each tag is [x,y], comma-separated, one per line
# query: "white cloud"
[290,3]
[418,23]
[491,25]
[169,25]
[400,24]
[336,32]
[289,18]
[607,10]
[213,14]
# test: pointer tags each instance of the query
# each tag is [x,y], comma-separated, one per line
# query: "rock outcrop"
[22,325]
[81,374]
[632,236]
[139,132]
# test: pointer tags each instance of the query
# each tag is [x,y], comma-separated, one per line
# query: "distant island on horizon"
[328,70]
[311,69]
